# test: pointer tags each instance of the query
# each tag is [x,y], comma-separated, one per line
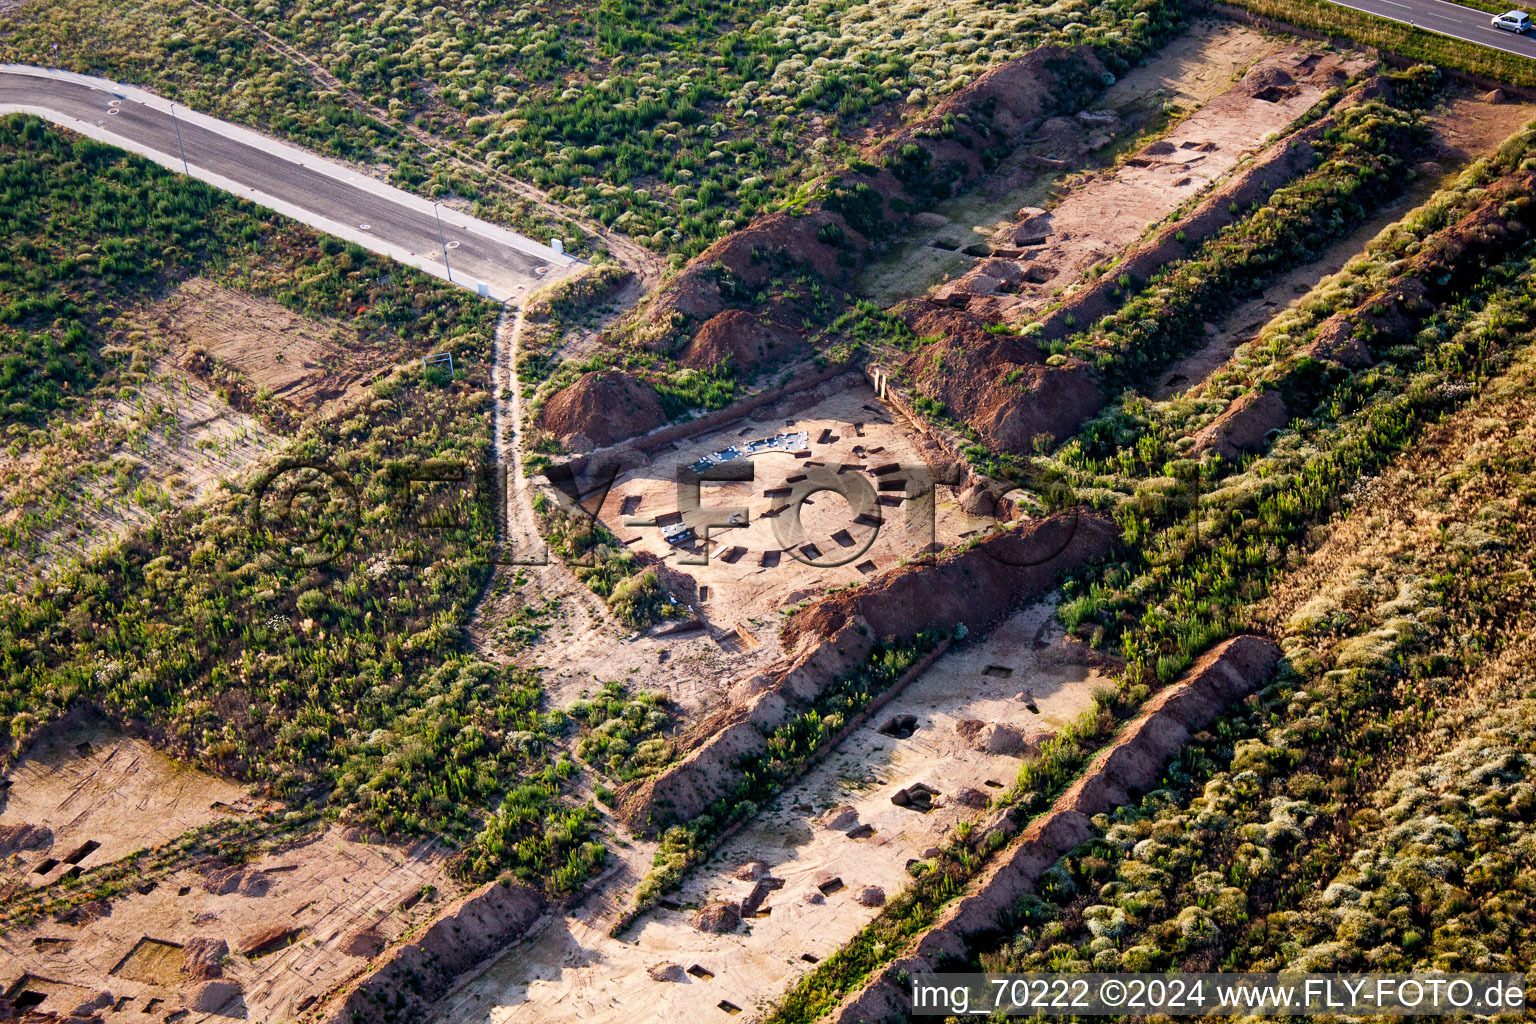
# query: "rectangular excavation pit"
[994,784]
[866,567]
[702,973]
[916,797]
[82,851]
[44,866]
[631,503]
[861,832]
[898,727]
[770,559]
[999,671]
[810,551]
[729,1007]
[733,555]
[810,958]
[829,886]
[152,962]
[844,539]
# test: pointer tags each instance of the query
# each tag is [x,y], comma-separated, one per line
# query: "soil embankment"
[977,586]
[1132,764]
[418,973]
[831,236]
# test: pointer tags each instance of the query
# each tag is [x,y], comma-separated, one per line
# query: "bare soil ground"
[753,572]
[94,785]
[573,969]
[1185,75]
[307,362]
[325,905]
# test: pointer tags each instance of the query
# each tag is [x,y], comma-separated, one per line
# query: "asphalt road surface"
[326,195]
[1450,20]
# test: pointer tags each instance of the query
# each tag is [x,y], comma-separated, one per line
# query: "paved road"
[1448,19]
[321,193]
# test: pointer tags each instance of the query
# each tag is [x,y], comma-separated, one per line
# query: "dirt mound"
[1456,254]
[364,943]
[604,407]
[976,586]
[840,817]
[1244,426]
[667,971]
[19,838]
[870,896]
[267,939]
[1266,78]
[221,881]
[751,871]
[970,797]
[912,168]
[743,340]
[991,737]
[205,958]
[1134,764]
[417,973]
[212,996]
[718,918]
[999,384]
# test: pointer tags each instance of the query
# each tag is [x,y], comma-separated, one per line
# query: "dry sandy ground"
[1187,73]
[573,970]
[753,572]
[737,599]
[347,899]
[1107,214]
[310,363]
[97,786]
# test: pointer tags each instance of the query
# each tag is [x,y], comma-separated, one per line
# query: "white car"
[1514,21]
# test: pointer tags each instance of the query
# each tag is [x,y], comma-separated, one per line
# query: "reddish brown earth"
[1244,426]
[999,384]
[603,407]
[976,586]
[744,340]
[729,274]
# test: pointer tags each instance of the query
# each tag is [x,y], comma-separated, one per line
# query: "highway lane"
[1448,19]
[322,193]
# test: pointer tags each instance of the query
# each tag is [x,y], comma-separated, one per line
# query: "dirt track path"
[534,577]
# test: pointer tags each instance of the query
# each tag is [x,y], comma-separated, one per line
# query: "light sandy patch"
[756,571]
[1187,73]
[1108,214]
[92,785]
[328,904]
[309,363]
[573,969]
